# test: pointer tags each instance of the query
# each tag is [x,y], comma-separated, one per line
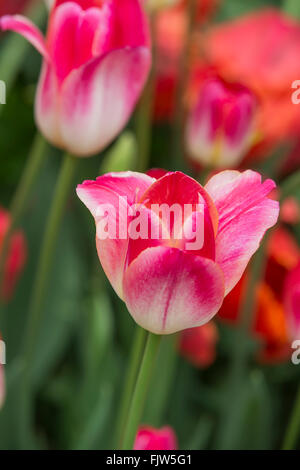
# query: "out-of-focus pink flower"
[16,256]
[149,438]
[292,301]
[290,211]
[261,50]
[220,128]
[96,61]
[198,345]
[174,274]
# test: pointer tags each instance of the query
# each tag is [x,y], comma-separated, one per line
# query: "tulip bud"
[220,128]
[96,59]
[149,438]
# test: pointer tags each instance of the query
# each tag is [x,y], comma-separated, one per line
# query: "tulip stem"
[131,375]
[181,87]
[293,429]
[292,8]
[61,194]
[21,196]
[140,391]
[143,117]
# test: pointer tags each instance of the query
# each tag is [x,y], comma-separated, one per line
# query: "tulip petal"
[245,213]
[106,92]
[168,290]
[119,190]
[27,29]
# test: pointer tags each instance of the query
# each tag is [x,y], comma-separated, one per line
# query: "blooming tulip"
[220,128]
[198,345]
[149,438]
[96,59]
[260,50]
[270,321]
[15,259]
[292,301]
[167,279]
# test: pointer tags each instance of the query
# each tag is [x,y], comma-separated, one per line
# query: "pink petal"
[27,29]
[245,213]
[106,91]
[178,188]
[167,290]
[119,190]
[149,438]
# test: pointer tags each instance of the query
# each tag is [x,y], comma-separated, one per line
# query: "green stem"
[21,196]
[292,8]
[144,117]
[131,375]
[61,194]
[141,389]
[293,429]
[181,87]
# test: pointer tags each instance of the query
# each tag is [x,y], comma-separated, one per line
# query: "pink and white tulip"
[149,438]
[292,301]
[96,59]
[167,285]
[221,127]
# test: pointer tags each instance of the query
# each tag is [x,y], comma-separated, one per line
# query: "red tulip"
[16,256]
[149,438]
[198,345]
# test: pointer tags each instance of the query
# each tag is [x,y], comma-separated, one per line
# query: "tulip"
[292,301]
[176,277]
[198,345]
[270,320]
[220,128]
[96,58]
[261,50]
[16,256]
[149,438]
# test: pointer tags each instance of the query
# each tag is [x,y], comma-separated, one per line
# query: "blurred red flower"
[260,50]
[149,438]
[16,256]
[198,345]
[270,323]
[12,7]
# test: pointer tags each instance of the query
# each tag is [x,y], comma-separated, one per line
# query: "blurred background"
[230,384]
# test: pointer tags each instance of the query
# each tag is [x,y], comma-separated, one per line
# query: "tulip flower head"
[15,259]
[96,59]
[220,128]
[149,438]
[173,249]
